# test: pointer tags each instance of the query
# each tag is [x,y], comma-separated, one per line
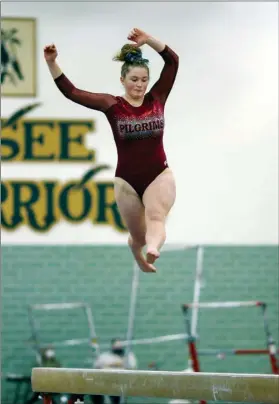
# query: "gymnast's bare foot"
[137,253]
[151,255]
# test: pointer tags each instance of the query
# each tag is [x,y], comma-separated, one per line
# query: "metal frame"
[194,353]
[91,340]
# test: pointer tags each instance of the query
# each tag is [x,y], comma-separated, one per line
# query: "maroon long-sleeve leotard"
[138,131]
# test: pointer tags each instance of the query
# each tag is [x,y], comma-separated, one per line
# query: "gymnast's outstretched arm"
[97,101]
[163,86]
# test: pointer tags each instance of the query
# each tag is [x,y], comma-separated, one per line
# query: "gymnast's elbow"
[176,59]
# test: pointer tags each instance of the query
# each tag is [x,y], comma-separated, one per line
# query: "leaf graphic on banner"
[19,114]
[10,64]
[17,69]
[90,174]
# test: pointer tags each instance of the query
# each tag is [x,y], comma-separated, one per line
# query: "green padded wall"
[102,276]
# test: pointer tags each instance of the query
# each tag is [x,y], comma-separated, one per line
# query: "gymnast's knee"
[154,215]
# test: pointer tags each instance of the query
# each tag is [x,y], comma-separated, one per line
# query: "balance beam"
[248,388]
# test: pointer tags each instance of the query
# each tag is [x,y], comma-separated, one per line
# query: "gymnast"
[144,184]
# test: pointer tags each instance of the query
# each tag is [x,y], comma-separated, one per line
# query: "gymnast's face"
[135,82]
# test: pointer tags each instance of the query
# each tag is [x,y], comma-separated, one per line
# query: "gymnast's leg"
[158,200]
[131,210]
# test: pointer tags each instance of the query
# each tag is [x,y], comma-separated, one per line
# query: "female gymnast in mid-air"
[144,184]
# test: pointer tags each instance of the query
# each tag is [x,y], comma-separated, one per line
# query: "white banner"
[221,136]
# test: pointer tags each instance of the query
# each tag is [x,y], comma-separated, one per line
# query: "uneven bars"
[125,343]
[197,290]
[235,352]
[248,388]
[215,305]
[132,313]
[58,306]
[152,340]
[178,247]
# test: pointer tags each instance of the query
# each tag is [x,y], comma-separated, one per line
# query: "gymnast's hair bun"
[126,51]
[130,54]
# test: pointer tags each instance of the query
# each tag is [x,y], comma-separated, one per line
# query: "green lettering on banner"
[107,211]
[42,204]
[35,134]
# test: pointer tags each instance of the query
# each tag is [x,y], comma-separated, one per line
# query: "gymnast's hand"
[138,36]
[50,53]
